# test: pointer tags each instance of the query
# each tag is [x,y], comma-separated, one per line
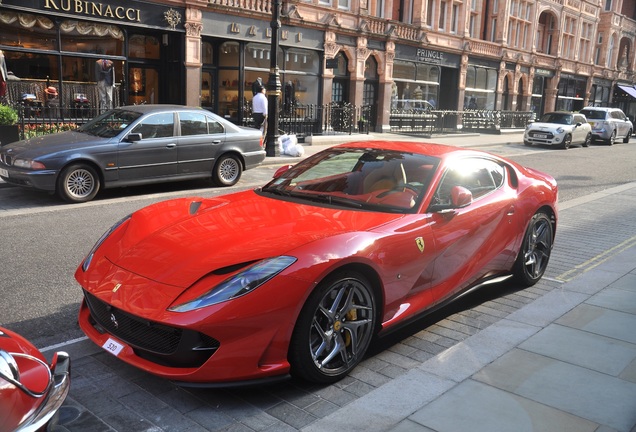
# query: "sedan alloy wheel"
[227,171]
[78,183]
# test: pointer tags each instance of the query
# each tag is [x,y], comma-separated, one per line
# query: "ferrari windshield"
[371,179]
[110,124]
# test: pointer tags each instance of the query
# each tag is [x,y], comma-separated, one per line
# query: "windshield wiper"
[329,199]
[335,200]
[277,191]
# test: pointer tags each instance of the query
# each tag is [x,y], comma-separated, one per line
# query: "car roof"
[600,109]
[146,108]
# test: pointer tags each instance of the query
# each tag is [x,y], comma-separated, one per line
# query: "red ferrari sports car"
[298,276]
[31,392]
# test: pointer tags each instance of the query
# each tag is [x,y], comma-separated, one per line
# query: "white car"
[608,124]
[560,128]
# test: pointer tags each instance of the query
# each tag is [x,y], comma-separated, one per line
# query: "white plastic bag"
[288,145]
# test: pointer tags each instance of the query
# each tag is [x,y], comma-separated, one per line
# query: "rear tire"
[78,183]
[588,140]
[612,138]
[334,329]
[535,250]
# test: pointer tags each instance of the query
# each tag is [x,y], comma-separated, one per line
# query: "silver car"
[133,145]
[560,128]
[608,124]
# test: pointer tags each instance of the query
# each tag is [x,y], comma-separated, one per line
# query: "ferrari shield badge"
[420,243]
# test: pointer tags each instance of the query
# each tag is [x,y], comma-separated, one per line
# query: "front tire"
[227,171]
[567,141]
[334,329]
[535,250]
[78,183]
[627,137]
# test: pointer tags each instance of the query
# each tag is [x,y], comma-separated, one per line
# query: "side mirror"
[134,137]
[282,170]
[460,197]
[579,124]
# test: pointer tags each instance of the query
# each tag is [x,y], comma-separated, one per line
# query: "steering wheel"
[400,188]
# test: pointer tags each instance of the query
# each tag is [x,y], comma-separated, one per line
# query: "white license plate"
[113,347]
[4,172]
[540,136]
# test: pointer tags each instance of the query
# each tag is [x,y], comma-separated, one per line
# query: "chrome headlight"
[560,130]
[239,284]
[89,257]
[8,366]
[28,164]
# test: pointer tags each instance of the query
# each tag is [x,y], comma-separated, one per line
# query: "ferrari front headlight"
[239,284]
[8,366]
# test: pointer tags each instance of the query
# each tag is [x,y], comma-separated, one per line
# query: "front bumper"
[543,138]
[40,180]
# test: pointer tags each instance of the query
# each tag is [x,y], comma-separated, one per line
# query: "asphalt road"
[43,240]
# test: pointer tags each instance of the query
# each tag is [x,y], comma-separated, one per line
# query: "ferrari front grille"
[163,344]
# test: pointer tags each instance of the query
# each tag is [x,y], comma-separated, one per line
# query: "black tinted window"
[193,123]
[156,126]
[593,114]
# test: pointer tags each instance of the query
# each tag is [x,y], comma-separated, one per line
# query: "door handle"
[511,211]
[216,142]
[172,145]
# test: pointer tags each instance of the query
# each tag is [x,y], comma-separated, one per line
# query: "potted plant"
[9,131]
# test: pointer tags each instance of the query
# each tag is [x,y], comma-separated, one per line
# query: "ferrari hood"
[177,242]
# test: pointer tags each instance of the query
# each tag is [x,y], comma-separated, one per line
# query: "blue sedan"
[133,145]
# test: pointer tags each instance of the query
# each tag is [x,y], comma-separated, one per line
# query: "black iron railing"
[305,120]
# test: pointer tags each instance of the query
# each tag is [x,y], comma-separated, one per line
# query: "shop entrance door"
[143,85]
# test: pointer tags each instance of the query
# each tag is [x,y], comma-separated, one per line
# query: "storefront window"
[207,89]
[480,88]
[144,85]
[27,31]
[207,53]
[229,95]
[143,46]
[571,92]
[413,83]
[599,96]
[229,54]
[77,36]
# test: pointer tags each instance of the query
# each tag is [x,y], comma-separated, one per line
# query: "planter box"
[9,134]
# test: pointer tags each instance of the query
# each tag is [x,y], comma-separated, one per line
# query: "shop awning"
[629,90]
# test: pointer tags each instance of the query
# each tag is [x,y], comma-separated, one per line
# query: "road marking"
[63,344]
[597,260]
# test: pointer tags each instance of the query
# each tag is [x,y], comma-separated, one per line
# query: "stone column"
[193,26]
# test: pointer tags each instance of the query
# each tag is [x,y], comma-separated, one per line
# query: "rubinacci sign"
[94,9]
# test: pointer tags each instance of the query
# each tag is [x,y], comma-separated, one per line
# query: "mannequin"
[3,75]
[105,75]
[289,97]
